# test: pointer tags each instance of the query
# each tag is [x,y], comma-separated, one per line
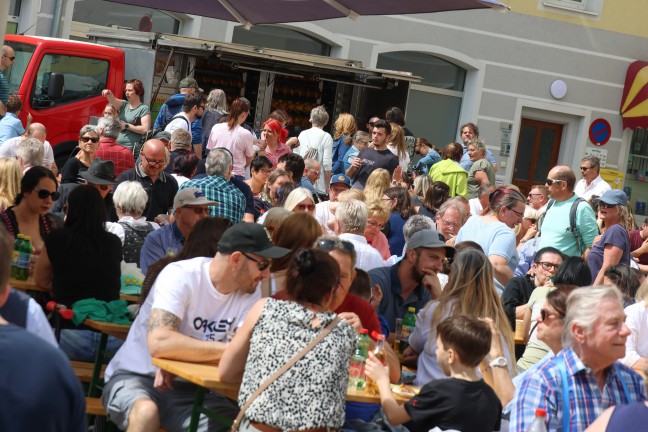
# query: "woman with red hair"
[274,135]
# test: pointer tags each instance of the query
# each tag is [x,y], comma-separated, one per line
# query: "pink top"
[381,244]
[282,149]
[239,141]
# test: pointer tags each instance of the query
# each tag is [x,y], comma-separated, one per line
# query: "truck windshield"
[16,73]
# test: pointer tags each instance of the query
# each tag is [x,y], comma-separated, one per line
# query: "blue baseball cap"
[614,197]
[340,178]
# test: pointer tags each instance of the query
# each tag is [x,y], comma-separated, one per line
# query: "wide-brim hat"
[250,238]
[101,172]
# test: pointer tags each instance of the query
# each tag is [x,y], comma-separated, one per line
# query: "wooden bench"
[83,370]
[94,406]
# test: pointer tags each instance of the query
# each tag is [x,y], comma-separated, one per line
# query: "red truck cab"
[60,82]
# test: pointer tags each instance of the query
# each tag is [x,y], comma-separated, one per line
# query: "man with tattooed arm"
[192,307]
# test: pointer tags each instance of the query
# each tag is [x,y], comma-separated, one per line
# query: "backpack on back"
[137,148]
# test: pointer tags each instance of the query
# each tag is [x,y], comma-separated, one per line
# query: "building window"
[585,6]
[105,13]
[434,104]
[280,38]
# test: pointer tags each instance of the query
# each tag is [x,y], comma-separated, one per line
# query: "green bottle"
[409,323]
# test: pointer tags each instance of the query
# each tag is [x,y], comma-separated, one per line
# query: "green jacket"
[450,173]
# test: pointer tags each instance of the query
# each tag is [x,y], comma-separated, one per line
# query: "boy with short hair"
[464,401]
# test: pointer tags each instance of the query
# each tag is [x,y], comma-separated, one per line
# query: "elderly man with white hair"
[584,378]
[30,153]
[9,148]
[351,217]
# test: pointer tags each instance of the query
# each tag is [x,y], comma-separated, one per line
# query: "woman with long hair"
[396,144]
[215,111]
[234,137]
[377,182]
[10,175]
[29,214]
[469,291]
[88,145]
[134,116]
[300,200]
[276,330]
[297,231]
[436,195]
[421,185]
[81,261]
[494,232]
[344,128]
[613,246]
[450,172]
[401,208]
[274,135]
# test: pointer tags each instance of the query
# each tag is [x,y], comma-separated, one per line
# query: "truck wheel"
[63,151]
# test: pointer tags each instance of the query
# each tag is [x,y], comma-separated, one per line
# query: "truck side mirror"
[55,86]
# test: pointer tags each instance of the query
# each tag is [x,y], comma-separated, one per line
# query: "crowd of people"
[248,244]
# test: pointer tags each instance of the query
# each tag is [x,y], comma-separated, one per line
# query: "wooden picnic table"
[29,285]
[106,329]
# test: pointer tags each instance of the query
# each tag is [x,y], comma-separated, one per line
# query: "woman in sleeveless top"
[273,332]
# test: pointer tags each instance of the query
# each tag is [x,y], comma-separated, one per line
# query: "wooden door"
[537,152]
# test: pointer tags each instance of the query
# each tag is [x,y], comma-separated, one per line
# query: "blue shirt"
[231,201]
[543,389]
[4,89]
[351,154]
[425,163]
[305,183]
[466,163]
[10,127]
[393,305]
[159,243]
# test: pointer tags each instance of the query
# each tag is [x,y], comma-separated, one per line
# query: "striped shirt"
[543,389]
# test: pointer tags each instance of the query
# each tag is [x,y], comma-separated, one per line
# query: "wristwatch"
[394,183]
[498,362]
[126,126]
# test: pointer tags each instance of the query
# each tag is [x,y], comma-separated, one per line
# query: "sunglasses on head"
[44,193]
[262,264]
[328,244]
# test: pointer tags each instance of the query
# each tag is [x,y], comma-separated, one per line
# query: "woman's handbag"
[280,371]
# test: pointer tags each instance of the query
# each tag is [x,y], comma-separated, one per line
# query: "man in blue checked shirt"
[583,379]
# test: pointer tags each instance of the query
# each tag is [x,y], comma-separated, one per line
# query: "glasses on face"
[89,139]
[44,193]
[152,162]
[585,168]
[450,224]
[544,314]
[534,194]
[547,266]
[199,210]
[305,207]
[10,58]
[550,181]
[607,206]
[261,264]
[517,212]
[329,244]
[375,224]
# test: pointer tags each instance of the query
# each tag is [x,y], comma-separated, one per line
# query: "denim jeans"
[81,345]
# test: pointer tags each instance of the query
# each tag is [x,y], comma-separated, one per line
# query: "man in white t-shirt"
[591,184]
[192,109]
[325,211]
[191,308]
[9,148]
[351,221]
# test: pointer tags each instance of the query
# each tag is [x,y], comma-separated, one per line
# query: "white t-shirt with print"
[184,289]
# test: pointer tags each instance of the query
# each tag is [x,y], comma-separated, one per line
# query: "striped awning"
[634,105]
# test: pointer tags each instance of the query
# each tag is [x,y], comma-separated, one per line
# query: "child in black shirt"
[464,401]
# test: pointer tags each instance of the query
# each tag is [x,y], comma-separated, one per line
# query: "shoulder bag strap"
[281,371]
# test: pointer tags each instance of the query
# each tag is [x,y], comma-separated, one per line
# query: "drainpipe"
[56,19]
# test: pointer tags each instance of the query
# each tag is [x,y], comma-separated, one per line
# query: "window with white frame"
[585,6]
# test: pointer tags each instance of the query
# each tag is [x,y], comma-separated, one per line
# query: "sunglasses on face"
[544,314]
[607,206]
[90,139]
[44,193]
[550,181]
[329,245]
[261,264]
[585,168]
[199,210]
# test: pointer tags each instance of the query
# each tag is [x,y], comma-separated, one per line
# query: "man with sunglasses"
[7,61]
[556,229]
[190,310]
[591,184]
[149,172]
[189,206]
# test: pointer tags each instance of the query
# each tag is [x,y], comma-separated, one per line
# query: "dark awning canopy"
[251,12]
[634,105]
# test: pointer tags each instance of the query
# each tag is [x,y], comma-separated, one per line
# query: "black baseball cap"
[251,238]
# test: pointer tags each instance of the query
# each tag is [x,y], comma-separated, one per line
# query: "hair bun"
[305,260]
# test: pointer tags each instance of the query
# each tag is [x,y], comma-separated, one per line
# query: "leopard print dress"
[312,393]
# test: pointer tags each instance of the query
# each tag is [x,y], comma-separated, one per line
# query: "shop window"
[105,13]
[280,38]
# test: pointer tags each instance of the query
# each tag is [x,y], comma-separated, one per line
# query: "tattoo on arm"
[160,318]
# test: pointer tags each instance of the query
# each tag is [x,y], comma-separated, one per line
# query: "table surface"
[118,330]
[30,285]
[206,375]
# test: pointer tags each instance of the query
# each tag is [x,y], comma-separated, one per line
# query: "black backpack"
[134,236]
[137,148]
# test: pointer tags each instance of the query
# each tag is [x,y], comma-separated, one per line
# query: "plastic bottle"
[409,323]
[398,329]
[24,257]
[17,246]
[356,366]
[363,346]
[539,424]
[379,352]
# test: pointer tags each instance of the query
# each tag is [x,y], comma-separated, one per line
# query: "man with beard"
[413,281]
[192,110]
[191,308]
